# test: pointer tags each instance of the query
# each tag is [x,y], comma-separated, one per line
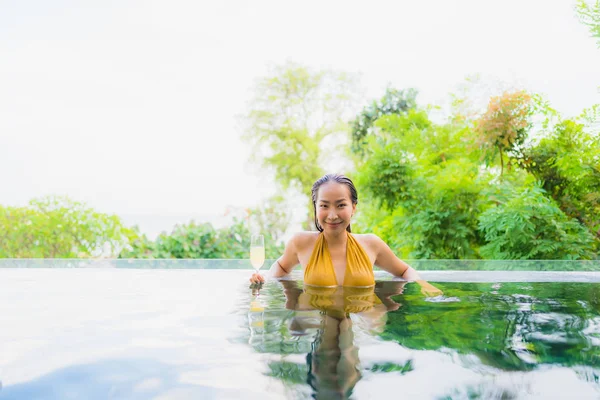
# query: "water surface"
[99,333]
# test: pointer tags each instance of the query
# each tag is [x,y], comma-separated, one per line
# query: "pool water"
[112,333]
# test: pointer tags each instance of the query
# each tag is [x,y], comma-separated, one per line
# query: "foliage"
[589,15]
[568,163]
[504,126]
[531,226]
[443,222]
[421,176]
[427,188]
[393,102]
[58,227]
[296,122]
[201,240]
[394,156]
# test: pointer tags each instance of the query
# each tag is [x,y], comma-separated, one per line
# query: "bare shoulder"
[370,240]
[302,240]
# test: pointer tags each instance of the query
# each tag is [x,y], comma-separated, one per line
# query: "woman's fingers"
[257,278]
[431,292]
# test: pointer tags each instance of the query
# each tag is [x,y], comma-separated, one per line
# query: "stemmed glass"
[257,255]
[257,251]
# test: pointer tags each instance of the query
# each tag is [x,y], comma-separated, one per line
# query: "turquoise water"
[100,330]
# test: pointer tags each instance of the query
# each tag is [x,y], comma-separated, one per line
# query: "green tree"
[192,240]
[430,192]
[424,184]
[394,101]
[203,240]
[296,122]
[505,124]
[567,161]
[530,226]
[589,15]
[58,227]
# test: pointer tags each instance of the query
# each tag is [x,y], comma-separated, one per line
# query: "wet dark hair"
[338,178]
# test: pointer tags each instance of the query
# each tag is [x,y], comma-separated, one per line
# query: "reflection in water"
[513,327]
[333,360]
[114,379]
[325,316]
[482,333]
[482,340]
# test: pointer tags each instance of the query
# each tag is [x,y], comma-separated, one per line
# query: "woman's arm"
[277,271]
[388,261]
[283,265]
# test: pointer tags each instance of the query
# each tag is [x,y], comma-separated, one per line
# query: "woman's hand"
[256,283]
[428,289]
[257,278]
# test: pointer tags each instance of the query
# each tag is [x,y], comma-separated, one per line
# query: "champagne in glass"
[257,251]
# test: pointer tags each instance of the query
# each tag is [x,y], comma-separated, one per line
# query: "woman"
[334,256]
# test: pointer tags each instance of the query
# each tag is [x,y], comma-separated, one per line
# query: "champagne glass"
[257,251]
[257,257]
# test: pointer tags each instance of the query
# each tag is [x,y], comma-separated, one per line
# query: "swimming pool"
[193,329]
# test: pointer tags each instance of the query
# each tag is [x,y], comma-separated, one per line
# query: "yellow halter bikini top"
[319,270]
[339,300]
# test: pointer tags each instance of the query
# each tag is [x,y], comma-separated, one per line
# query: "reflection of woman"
[333,360]
[334,256]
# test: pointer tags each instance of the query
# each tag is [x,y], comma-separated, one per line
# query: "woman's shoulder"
[304,238]
[366,236]
[369,239]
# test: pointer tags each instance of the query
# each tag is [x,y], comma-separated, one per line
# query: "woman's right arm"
[389,262]
[284,265]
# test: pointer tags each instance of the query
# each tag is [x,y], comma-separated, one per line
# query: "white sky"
[130,105]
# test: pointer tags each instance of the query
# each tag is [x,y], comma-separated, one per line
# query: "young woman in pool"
[334,256]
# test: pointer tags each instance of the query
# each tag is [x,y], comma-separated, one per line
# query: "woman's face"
[334,207]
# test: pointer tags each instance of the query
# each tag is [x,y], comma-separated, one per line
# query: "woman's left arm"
[388,261]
